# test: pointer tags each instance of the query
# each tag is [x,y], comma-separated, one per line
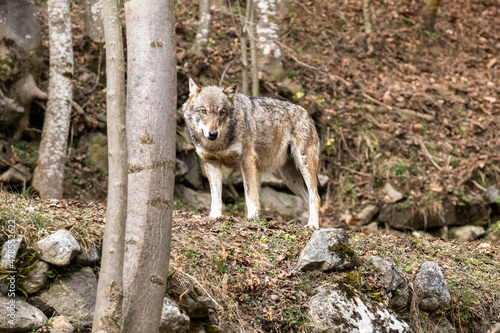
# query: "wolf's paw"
[314,226]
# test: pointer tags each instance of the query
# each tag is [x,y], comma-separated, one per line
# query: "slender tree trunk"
[244,48]
[48,177]
[270,56]
[94,23]
[151,114]
[107,315]
[254,52]
[367,15]
[429,12]
[203,32]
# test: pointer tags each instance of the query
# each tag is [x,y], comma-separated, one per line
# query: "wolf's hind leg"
[214,174]
[308,166]
[292,177]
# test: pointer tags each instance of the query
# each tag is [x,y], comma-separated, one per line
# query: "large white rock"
[287,205]
[338,308]
[58,248]
[173,319]
[468,233]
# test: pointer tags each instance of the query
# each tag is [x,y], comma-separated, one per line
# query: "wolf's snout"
[212,135]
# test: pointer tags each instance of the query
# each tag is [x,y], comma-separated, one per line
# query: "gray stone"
[36,278]
[394,194]
[199,200]
[26,317]
[61,324]
[286,205]
[193,175]
[197,307]
[467,233]
[180,168]
[492,194]
[272,179]
[495,328]
[392,280]
[432,287]
[173,319]
[367,213]
[58,249]
[338,308]
[72,296]
[88,257]
[327,250]
[323,180]
[9,252]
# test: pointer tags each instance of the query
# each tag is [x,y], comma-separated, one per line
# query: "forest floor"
[247,267]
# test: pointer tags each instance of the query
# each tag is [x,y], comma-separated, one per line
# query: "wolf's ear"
[194,87]
[231,91]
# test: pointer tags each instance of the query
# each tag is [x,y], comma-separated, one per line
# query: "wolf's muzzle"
[212,135]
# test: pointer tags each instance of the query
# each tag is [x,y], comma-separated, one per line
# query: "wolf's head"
[208,110]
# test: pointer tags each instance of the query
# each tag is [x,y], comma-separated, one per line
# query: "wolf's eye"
[222,112]
[203,110]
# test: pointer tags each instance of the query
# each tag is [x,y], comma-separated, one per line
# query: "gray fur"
[255,134]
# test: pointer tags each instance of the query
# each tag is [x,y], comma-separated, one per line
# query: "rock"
[392,280]
[36,278]
[323,180]
[88,257]
[467,233]
[173,319]
[473,209]
[495,328]
[62,324]
[180,168]
[25,317]
[9,252]
[272,179]
[493,195]
[97,151]
[72,296]
[199,200]
[432,287]
[367,213]
[286,205]
[393,193]
[193,175]
[338,308]
[442,325]
[199,307]
[58,249]
[327,250]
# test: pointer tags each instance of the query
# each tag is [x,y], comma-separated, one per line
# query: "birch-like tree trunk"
[367,16]
[151,124]
[94,23]
[429,12]
[107,314]
[203,32]
[270,56]
[254,52]
[48,177]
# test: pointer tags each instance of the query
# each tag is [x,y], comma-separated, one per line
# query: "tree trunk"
[367,16]
[429,14]
[49,173]
[151,128]
[270,56]
[254,52]
[107,315]
[94,23]
[203,32]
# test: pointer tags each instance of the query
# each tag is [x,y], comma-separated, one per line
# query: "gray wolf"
[254,134]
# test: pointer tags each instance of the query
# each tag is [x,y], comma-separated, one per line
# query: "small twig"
[98,66]
[377,101]
[426,152]
[184,293]
[346,146]
[199,285]
[225,70]
[355,171]
[478,186]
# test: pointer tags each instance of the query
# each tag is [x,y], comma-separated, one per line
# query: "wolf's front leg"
[214,174]
[249,172]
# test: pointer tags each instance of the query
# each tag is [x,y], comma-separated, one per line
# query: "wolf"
[253,134]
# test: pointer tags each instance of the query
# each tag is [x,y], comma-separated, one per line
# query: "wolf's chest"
[229,157]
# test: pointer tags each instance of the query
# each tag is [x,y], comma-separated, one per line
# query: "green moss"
[342,250]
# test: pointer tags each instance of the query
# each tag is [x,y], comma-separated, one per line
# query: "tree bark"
[151,128]
[49,173]
[107,315]
[94,23]
[367,16]
[254,52]
[270,63]
[203,32]
[429,12]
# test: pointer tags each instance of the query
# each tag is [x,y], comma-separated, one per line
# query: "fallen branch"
[199,285]
[426,153]
[402,112]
